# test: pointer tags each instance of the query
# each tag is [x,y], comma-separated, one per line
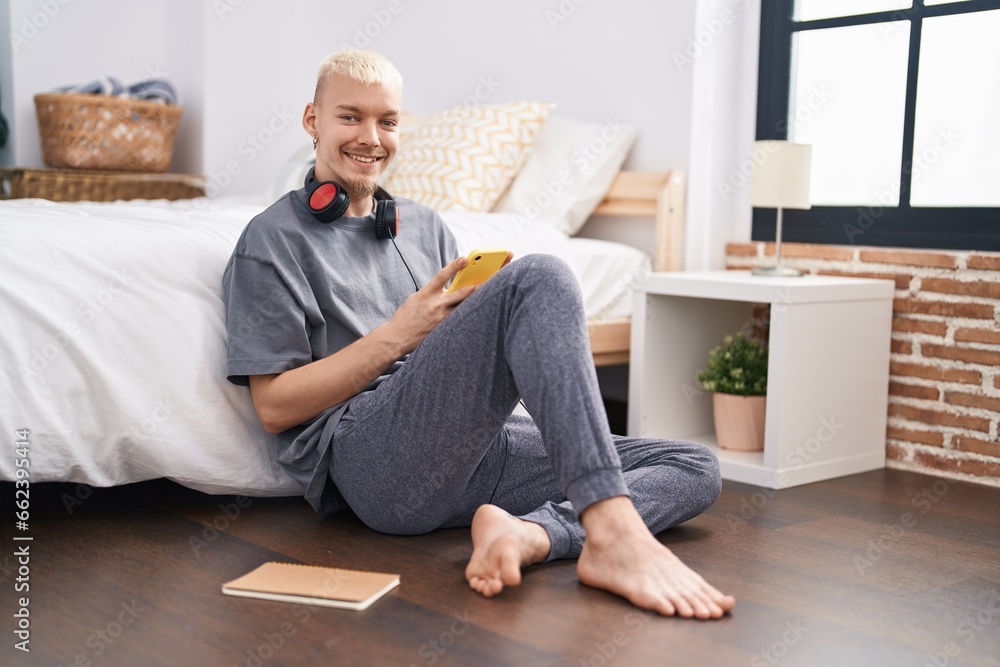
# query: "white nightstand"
[828,369]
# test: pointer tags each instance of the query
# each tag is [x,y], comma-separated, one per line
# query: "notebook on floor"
[313,585]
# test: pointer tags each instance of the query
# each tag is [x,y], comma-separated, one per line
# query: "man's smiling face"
[356,128]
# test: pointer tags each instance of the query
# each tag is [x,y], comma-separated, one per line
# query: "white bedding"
[112,337]
[607,271]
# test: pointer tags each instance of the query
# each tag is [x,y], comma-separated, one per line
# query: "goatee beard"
[359,190]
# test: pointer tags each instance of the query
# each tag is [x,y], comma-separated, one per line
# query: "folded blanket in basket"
[148,89]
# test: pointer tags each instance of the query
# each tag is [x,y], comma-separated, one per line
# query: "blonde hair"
[366,67]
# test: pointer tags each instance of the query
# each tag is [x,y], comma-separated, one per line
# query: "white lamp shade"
[782,176]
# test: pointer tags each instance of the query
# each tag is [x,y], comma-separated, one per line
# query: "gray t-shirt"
[297,290]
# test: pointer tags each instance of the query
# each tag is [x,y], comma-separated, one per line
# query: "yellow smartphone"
[483,263]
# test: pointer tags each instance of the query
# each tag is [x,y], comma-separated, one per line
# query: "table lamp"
[781,181]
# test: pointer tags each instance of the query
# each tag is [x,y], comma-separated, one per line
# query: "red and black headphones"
[328,201]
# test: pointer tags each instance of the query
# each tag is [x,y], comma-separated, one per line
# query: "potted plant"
[737,374]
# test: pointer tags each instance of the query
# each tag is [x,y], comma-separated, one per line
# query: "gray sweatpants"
[437,439]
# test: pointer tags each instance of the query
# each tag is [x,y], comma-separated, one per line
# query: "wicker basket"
[64,185]
[104,132]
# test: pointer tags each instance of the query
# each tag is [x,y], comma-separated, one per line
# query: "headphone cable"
[393,239]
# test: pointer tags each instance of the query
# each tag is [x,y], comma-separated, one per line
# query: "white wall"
[246,68]
[6,83]
[724,110]
[184,66]
[605,59]
[58,42]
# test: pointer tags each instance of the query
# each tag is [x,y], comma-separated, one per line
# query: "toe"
[684,608]
[496,585]
[724,601]
[707,608]
[665,607]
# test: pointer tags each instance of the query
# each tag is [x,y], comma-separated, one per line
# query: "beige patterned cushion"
[463,159]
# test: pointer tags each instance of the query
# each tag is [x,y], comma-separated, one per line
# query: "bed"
[113,333]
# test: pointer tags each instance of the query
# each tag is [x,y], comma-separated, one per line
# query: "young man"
[393,397]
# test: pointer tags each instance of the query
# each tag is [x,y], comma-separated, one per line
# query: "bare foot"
[501,546]
[621,556]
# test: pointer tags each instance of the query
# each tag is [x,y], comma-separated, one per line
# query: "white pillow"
[569,172]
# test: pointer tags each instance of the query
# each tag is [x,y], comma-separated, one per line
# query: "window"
[900,101]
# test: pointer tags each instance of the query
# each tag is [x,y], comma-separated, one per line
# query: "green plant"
[738,366]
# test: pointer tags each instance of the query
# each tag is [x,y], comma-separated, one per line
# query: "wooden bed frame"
[648,194]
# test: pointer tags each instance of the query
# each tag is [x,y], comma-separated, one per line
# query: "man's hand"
[424,310]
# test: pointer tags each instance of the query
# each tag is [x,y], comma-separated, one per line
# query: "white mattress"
[608,273]
[112,337]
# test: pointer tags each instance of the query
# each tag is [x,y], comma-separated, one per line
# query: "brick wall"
[944,375]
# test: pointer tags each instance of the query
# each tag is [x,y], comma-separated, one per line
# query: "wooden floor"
[884,568]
